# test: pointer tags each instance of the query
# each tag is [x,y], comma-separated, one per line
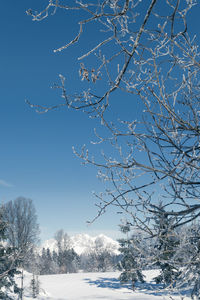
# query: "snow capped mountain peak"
[84,243]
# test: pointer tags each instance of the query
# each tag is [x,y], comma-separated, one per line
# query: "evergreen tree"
[165,247]
[35,286]
[8,264]
[88,262]
[68,261]
[55,257]
[131,262]
[47,265]
[189,251]
[104,261]
[33,263]
[98,261]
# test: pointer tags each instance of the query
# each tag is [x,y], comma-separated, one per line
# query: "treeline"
[19,236]
[66,260]
[173,251]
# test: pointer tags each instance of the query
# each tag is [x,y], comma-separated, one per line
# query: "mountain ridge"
[85,244]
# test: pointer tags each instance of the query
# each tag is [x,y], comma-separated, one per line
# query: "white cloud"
[5,184]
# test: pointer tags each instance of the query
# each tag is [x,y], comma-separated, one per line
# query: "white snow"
[92,286]
[84,243]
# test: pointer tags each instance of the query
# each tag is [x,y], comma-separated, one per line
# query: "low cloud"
[5,183]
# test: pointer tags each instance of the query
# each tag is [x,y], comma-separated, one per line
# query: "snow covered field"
[93,286]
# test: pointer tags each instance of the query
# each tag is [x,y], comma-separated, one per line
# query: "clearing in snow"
[94,286]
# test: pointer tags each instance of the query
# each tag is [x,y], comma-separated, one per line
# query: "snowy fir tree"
[46,262]
[68,261]
[35,286]
[104,261]
[165,247]
[32,264]
[131,262]
[63,261]
[189,252]
[8,264]
[88,262]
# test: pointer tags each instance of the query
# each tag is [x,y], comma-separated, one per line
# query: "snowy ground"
[93,286]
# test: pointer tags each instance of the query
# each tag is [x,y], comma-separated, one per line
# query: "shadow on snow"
[150,288]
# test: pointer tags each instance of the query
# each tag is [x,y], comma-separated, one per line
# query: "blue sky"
[36,149]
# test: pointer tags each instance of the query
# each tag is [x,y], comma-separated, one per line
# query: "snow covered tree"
[104,261]
[147,56]
[48,262]
[32,264]
[189,252]
[35,286]
[88,262]
[22,230]
[45,261]
[101,261]
[63,240]
[140,82]
[101,258]
[67,258]
[131,261]
[8,264]
[68,261]
[166,245]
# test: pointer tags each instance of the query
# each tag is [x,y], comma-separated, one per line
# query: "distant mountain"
[84,243]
